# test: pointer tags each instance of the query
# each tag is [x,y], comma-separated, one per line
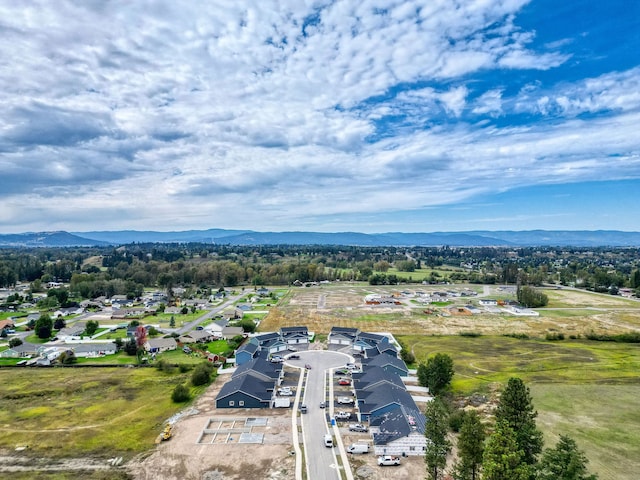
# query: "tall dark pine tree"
[502,459]
[470,448]
[516,410]
[438,446]
[564,462]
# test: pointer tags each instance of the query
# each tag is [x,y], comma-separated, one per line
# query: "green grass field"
[588,390]
[100,412]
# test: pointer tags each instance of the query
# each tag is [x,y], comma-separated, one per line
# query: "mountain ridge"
[474,238]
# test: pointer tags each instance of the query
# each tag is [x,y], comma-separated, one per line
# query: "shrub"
[180,393]
[470,334]
[519,336]
[202,374]
[455,420]
[553,337]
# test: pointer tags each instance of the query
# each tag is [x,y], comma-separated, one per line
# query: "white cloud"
[181,114]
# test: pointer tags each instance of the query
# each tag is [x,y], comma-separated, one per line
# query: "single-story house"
[230,332]
[158,345]
[94,349]
[25,350]
[8,323]
[197,336]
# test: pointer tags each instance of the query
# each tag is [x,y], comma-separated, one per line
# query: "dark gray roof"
[267,337]
[248,347]
[249,385]
[372,338]
[371,400]
[373,376]
[397,423]
[261,367]
[386,360]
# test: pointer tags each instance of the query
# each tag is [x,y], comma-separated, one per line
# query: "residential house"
[26,350]
[294,335]
[245,391]
[388,363]
[91,350]
[230,332]
[271,342]
[158,345]
[216,327]
[72,332]
[8,323]
[342,336]
[247,351]
[399,431]
[196,336]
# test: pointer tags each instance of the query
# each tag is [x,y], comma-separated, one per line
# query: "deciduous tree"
[43,326]
[437,373]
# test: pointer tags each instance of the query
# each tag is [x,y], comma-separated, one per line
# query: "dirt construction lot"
[193,454]
[217,454]
[573,312]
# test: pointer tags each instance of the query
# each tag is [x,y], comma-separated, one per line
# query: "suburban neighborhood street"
[321,460]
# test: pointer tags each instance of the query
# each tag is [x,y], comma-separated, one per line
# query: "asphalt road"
[321,461]
[187,327]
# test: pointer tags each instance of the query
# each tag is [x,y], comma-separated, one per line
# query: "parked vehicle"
[343,371]
[358,427]
[342,415]
[303,408]
[276,359]
[285,391]
[344,381]
[294,357]
[358,448]
[322,405]
[186,350]
[307,366]
[328,441]
[345,400]
[388,460]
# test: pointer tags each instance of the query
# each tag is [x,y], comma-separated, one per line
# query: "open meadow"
[100,412]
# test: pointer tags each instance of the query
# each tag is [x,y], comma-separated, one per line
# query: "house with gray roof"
[389,363]
[245,391]
[399,431]
[158,345]
[92,350]
[294,335]
[342,336]
[247,351]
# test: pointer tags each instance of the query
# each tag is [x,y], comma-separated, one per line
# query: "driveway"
[321,461]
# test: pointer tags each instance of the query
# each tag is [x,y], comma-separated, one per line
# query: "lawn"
[483,361]
[589,390]
[602,419]
[100,412]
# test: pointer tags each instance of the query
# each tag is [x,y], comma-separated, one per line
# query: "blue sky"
[369,116]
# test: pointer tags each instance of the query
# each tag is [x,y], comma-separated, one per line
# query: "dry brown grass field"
[571,312]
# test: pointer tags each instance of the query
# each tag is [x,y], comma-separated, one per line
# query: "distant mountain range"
[529,238]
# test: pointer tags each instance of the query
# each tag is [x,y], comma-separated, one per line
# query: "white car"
[388,460]
[285,392]
[345,400]
[342,416]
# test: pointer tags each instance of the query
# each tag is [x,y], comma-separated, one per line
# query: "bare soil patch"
[186,456]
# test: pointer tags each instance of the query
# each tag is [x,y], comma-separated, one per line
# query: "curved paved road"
[321,461]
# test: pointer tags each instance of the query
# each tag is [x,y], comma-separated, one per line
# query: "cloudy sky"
[343,115]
